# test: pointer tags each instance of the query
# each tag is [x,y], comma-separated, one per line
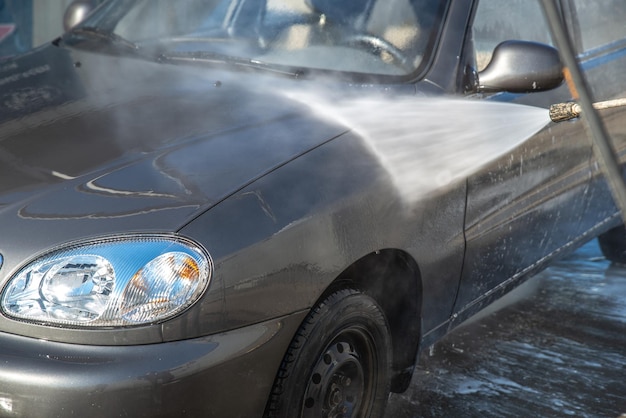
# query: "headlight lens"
[110,282]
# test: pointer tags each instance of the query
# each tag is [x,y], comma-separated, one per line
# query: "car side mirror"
[521,67]
[76,12]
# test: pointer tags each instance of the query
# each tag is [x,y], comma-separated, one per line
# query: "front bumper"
[223,375]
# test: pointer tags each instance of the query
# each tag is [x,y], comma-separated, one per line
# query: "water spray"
[560,112]
[422,152]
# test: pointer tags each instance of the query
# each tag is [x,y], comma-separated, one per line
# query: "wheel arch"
[393,279]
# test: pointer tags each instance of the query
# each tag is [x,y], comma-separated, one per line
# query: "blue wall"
[16,26]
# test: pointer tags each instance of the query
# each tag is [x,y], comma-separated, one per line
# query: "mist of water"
[428,143]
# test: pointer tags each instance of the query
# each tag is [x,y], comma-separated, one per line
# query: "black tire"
[338,363]
[613,245]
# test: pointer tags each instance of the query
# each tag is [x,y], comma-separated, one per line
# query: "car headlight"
[111,282]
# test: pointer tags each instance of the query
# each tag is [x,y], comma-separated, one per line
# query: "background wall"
[48,19]
[16,21]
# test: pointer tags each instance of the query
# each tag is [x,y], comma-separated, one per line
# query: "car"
[243,208]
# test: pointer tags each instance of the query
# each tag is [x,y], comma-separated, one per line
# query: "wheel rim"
[340,385]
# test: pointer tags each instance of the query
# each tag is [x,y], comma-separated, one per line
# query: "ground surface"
[556,348]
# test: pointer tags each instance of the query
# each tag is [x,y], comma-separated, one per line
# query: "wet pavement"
[554,348]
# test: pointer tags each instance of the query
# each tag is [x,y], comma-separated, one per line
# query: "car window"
[496,21]
[392,26]
[600,22]
[381,37]
[149,19]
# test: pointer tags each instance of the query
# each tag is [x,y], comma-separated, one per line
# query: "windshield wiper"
[208,58]
[107,36]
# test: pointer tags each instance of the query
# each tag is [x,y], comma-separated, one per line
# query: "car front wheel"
[337,365]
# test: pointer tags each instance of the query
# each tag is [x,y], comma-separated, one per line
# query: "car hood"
[92,144]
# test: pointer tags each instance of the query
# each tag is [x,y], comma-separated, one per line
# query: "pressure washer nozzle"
[560,112]
[570,110]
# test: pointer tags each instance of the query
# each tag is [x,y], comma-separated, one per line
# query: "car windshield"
[381,37]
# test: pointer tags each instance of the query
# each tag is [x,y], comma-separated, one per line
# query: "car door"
[527,203]
[599,35]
